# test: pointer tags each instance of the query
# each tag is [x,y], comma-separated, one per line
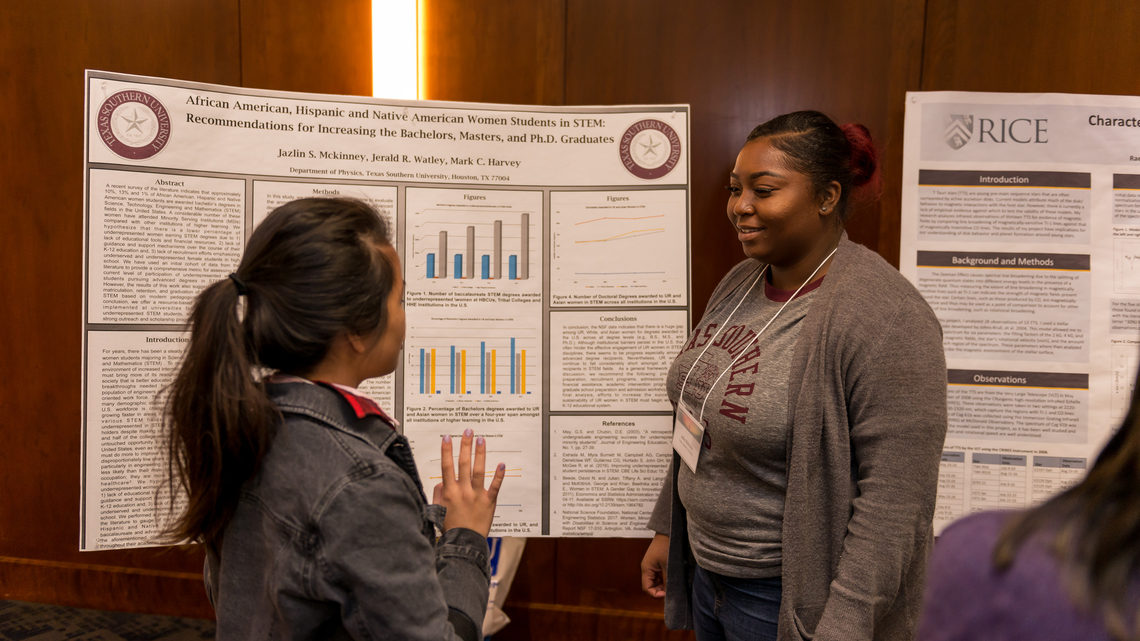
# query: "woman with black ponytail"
[306,497]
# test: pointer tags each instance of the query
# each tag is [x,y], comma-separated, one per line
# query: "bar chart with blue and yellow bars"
[475,368]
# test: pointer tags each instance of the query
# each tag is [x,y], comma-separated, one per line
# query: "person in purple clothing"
[1066,569]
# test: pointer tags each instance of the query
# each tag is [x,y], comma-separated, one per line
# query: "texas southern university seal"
[649,149]
[133,124]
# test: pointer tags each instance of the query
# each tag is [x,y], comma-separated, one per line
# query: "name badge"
[688,433]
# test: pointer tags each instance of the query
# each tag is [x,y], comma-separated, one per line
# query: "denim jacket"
[333,537]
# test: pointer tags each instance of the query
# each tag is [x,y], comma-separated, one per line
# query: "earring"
[823,210]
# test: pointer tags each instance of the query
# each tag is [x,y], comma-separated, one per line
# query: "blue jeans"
[729,609]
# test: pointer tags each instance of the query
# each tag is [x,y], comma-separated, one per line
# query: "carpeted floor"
[21,621]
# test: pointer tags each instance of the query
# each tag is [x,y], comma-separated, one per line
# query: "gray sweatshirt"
[735,365]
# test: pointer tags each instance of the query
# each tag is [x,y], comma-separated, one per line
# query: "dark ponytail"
[825,152]
[220,420]
[311,271]
[1093,529]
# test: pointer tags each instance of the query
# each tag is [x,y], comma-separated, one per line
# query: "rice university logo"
[960,130]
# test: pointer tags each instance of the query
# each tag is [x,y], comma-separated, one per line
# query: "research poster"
[546,258]
[1021,227]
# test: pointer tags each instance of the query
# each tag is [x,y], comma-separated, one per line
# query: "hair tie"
[242,290]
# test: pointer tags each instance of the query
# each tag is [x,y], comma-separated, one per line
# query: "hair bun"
[864,158]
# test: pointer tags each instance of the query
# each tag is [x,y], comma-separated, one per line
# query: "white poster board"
[1021,227]
[546,254]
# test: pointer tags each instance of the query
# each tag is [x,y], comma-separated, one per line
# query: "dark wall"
[737,62]
[44,48]
[1032,46]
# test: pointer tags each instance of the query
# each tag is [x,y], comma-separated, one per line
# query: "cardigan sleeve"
[895,393]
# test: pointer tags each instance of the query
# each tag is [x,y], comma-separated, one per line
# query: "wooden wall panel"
[509,51]
[557,622]
[44,48]
[1032,46]
[318,47]
[739,63]
[736,62]
[123,583]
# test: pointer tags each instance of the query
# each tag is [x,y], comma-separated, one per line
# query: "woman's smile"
[745,233]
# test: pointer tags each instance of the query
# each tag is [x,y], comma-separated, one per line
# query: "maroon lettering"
[736,412]
[742,389]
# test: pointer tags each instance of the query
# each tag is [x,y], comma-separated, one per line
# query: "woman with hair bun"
[810,406]
[305,496]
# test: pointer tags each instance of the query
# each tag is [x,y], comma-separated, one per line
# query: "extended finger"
[496,482]
[446,461]
[465,456]
[477,472]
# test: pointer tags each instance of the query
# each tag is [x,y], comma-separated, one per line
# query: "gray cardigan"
[868,401]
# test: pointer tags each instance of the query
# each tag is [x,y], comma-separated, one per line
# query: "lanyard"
[681,398]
